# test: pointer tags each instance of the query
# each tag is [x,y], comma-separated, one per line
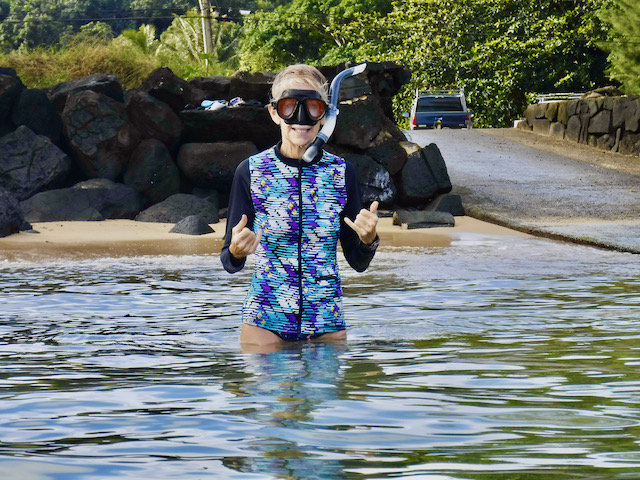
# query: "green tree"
[159,13]
[308,31]
[30,23]
[624,46]
[500,51]
[144,39]
[182,47]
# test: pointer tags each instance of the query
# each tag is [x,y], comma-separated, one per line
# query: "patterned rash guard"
[295,290]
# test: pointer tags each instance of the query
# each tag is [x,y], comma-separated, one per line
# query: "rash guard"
[300,207]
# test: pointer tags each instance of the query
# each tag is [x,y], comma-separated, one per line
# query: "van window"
[439,104]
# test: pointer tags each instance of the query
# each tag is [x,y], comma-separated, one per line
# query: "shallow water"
[492,358]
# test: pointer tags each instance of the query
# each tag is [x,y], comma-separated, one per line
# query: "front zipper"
[300,246]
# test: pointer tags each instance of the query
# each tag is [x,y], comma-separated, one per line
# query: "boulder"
[243,123]
[212,165]
[92,200]
[103,83]
[437,167]
[34,110]
[387,149]
[164,85]
[541,126]
[600,123]
[11,218]
[65,204]
[152,172]
[179,206]
[375,181]
[573,128]
[153,118]
[557,130]
[585,118]
[630,143]
[6,127]
[112,200]
[530,114]
[423,177]
[359,123]
[31,163]
[552,111]
[540,110]
[618,111]
[99,133]
[192,225]
[216,87]
[382,80]
[450,203]
[251,86]
[632,115]
[390,155]
[10,88]
[573,107]
[386,79]
[423,218]
[563,113]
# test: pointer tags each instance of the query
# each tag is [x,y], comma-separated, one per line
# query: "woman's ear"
[274,115]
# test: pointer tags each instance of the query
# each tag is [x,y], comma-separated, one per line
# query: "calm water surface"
[492,358]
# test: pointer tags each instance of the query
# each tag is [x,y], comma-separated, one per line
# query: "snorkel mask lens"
[302,107]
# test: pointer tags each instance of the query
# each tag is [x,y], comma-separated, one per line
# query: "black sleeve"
[239,203]
[357,254]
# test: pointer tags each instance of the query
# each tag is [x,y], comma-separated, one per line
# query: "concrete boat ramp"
[543,186]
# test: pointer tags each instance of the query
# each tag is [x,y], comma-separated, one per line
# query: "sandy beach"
[126,238]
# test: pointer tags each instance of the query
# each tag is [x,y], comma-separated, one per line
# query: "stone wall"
[606,122]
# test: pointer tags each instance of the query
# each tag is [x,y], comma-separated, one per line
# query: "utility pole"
[205,9]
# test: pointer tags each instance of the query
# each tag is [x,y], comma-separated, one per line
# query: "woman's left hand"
[365,224]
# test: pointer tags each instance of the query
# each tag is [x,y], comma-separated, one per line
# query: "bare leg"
[261,337]
[259,340]
[337,337]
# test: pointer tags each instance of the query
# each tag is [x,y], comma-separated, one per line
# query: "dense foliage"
[306,31]
[501,52]
[624,46]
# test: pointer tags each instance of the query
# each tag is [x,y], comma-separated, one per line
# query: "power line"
[128,14]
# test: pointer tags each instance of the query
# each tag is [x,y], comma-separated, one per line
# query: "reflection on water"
[492,358]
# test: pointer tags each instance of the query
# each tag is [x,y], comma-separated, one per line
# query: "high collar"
[294,162]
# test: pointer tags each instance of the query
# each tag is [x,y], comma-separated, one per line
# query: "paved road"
[543,193]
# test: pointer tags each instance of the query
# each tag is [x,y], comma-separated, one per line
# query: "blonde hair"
[300,75]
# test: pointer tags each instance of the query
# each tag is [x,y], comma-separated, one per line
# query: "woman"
[291,214]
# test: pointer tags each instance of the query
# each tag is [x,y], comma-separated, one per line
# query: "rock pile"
[89,150]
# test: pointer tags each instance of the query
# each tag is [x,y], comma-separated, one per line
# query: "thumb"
[242,223]
[374,207]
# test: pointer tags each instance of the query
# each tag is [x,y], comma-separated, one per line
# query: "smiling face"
[295,137]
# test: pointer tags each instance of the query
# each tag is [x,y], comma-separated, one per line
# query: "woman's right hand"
[243,241]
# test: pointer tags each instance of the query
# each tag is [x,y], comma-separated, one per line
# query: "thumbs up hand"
[243,241]
[365,224]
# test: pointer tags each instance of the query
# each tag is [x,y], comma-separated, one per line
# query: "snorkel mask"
[300,107]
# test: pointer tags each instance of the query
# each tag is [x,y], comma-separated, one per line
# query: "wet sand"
[127,238]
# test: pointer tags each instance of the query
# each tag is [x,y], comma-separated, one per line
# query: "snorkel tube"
[330,123]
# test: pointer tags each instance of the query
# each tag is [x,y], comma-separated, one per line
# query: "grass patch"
[46,67]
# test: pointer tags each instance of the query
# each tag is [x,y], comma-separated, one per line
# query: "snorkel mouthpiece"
[330,123]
